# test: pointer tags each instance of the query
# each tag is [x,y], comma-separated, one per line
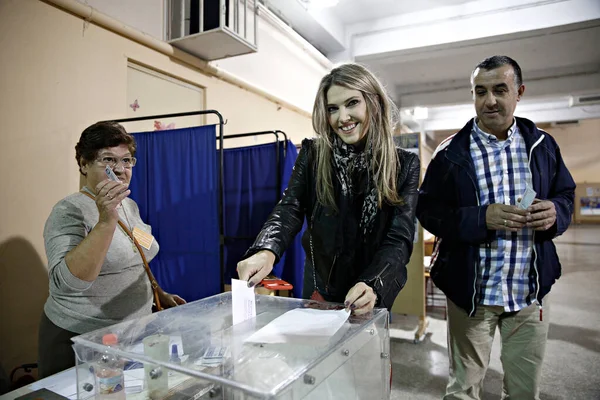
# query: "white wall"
[144,15]
[580,148]
[282,65]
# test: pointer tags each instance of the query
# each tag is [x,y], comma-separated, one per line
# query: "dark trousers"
[55,353]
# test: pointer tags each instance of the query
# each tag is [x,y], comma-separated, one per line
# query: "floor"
[572,364]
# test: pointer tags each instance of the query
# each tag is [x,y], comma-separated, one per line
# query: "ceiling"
[544,57]
[424,50]
[575,45]
[353,11]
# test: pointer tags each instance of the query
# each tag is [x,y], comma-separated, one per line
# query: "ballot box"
[194,352]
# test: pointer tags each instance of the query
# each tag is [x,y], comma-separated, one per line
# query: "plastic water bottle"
[110,381]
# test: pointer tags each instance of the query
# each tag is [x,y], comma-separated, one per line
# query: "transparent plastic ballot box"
[194,352]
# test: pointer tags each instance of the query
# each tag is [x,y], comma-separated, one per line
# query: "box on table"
[217,363]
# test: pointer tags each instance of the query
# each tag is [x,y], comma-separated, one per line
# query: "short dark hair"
[100,136]
[498,61]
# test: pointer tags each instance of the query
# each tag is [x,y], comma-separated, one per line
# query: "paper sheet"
[243,301]
[300,325]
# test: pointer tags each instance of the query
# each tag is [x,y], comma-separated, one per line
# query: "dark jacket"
[449,208]
[341,261]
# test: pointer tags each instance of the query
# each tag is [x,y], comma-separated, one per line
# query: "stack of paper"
[302,325]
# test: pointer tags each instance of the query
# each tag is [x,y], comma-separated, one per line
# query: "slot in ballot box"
[208,358]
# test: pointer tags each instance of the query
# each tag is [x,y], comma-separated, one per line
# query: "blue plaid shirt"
[504,277]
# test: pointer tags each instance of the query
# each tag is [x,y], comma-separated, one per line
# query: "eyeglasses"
[127,162]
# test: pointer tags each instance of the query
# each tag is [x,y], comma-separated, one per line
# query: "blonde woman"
[357,192]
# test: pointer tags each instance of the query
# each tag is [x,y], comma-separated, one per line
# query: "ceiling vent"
[586,100]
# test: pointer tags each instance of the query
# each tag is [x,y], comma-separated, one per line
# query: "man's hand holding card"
[543,215]
[543,212]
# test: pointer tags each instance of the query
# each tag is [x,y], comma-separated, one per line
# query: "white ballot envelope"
[527,198]
[111,175]
[243,301]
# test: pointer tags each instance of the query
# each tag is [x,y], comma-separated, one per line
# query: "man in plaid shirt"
[496,261]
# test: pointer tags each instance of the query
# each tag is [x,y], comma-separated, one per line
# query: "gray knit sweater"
[121,290]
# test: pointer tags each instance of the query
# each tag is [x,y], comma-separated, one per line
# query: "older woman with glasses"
[96,272]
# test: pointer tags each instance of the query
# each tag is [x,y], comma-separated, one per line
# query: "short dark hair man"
[496,260]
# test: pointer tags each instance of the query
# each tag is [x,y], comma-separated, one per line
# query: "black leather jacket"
[380,261]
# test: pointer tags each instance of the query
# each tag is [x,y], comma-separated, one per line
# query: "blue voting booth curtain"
[250,195]
[293,270]
[175,184]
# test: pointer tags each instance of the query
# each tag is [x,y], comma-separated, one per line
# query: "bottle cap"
[110,339]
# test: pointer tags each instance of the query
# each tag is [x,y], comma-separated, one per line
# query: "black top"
[338,247]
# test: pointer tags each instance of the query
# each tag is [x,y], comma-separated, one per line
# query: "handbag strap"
[153,282]
[436,251]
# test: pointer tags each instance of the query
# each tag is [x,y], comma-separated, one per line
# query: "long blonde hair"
[381,118]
